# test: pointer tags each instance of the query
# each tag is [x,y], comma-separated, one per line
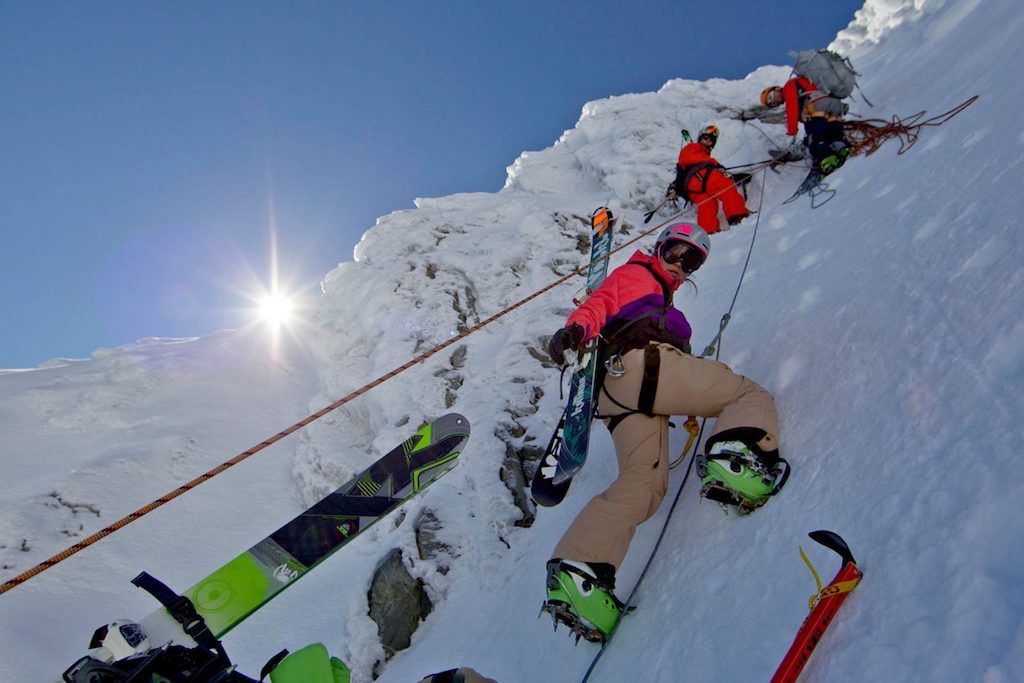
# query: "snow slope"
[887,324]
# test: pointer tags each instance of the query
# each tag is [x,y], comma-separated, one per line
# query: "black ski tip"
[546,493]
[835,543]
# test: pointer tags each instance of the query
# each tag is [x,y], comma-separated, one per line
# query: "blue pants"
[821,133]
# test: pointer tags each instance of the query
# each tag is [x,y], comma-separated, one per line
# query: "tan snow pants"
[686,386]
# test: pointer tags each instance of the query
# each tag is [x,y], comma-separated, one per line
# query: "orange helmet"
[772,96]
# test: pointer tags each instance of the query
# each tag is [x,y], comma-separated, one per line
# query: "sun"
[275,309]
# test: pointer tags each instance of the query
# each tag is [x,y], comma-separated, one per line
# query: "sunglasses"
[685,255]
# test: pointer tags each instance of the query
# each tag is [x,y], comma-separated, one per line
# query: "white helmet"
[687,234]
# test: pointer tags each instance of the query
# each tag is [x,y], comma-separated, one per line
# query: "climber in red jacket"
[702,181]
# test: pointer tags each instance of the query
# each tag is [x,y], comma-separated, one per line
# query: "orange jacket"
[695,153]
[718,185]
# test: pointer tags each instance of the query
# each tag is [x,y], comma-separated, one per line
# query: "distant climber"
[820,81]
[702,181]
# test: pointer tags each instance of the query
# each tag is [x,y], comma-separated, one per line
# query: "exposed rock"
[428,542]
[521,459]
[624,227]
[513,475]
[398,603]
[453,378]
[540,356]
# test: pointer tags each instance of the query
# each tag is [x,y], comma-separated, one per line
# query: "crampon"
[561,614]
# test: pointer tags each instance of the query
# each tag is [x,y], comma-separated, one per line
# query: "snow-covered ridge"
[887,324]
[878,18]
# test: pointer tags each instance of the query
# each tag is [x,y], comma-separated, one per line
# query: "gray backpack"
[830,72]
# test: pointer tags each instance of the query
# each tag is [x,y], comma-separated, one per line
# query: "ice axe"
[824,606]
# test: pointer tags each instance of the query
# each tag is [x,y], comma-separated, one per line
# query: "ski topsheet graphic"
[243,585]
[602,225]
[567,451]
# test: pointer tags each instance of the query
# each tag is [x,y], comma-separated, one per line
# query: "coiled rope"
[868,135]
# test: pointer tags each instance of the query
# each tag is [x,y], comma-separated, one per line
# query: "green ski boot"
[311,664]
[733,475]
[581,601]
[835,160]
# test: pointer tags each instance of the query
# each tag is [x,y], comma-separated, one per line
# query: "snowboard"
[250,580]
[567,451]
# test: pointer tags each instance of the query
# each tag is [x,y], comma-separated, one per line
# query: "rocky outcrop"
[398,603]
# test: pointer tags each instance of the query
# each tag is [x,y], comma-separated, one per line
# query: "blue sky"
[148,148]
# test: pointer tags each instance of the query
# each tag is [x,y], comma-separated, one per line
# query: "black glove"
[567,338]
[738,218]
[671,194]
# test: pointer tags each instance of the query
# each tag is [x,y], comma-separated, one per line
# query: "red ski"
[824,607]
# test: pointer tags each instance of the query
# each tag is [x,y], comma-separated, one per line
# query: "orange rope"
[128,519]
[867,136]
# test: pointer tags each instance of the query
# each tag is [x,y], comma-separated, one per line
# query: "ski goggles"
[686,255]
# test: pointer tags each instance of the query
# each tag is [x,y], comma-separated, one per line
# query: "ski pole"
[650,214]
[753,163]
[824,607]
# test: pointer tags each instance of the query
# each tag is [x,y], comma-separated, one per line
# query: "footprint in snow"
[934,141]
[808,260]
[809,299]
[788,371]
[929,228]
[907,203]
[985,256]
[975,137]
[1005,360]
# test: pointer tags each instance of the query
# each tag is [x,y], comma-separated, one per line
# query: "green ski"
[249,581]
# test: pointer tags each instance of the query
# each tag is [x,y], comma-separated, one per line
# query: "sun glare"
[275,309]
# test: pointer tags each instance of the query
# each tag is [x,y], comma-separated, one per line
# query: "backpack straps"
[611,336]
[649,385]
[648,390]
[652,360]
[684,174]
